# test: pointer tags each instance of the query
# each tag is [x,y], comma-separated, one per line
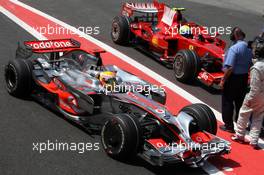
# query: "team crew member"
[262,33]
[253,104]
[234,83]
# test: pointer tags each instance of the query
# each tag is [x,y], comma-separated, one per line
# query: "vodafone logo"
[50,44]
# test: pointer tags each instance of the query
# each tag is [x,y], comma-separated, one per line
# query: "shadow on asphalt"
[225,162]
[197,83]
[145,53]
[182,168]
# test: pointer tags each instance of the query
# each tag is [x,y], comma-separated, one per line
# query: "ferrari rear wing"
[56,45]
[141,7]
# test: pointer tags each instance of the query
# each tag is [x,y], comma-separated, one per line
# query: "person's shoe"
[238,139]
[227,129]
[255,146]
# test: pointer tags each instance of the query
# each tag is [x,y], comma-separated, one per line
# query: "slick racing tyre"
[203,117]
[186,65]
[120,30]
[121,136]
[18,77]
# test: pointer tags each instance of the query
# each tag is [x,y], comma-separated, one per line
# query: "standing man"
[238,60]
[253,104]
[262,33]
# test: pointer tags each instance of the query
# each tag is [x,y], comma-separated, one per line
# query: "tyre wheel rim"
[178,66]
[113,137]
[10,76]
[115,31]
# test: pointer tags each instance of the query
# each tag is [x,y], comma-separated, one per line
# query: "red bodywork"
[158,26]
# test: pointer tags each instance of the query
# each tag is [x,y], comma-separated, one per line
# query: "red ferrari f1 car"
[166,35]
[102,98]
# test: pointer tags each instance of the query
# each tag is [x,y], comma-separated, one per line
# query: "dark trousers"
[235,89]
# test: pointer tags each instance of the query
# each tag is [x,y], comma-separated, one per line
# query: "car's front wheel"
[186,65]
[121,136]
[203,116]
[120,30]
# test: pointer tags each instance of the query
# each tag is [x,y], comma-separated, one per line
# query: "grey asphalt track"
[253,6]
[24,122]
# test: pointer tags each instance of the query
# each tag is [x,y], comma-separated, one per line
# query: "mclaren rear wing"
[56,45]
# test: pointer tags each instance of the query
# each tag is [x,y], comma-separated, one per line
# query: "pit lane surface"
[25,122]
[36,123]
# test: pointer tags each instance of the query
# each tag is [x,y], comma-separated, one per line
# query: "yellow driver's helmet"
[178,9]
[185,31]
[108,79]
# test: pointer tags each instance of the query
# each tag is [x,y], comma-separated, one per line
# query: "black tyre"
[203,116]
[121,136]
[186,65]
[18,77]
[120,30]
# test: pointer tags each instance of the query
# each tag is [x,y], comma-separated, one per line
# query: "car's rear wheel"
[18,77]
[121,136]
[186,65]
[120,30]
[203,116]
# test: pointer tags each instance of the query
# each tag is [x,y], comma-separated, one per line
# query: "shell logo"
[155,41]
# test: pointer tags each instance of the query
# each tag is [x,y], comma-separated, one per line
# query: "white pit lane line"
[209,168]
